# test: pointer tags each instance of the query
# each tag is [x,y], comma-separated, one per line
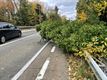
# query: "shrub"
[38,28]
[74,37]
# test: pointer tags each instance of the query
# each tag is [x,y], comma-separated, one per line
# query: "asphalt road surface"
[15,53]
[27,58]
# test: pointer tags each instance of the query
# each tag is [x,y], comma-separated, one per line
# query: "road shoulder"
[56,70]
[58,67]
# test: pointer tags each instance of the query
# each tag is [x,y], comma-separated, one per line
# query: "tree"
[56,9]
[101,8]
[91,11]
[103,16]
[53,14]
[29,14]
[41,15]
[22,14]
[6,10]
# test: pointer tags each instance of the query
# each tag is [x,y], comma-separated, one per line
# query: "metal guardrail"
[26,27]
[100,75]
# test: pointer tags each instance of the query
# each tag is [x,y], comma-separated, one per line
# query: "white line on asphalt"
[16,40]
[43,70]
[53,49]
[29,62]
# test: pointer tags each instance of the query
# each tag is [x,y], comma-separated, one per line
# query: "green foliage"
[92,11]
[2,15]
[97,47]
[23,13]
[93,40]
[38,28]
[6,15]
[47,28]
[29,14]
[85,33]
[74,37]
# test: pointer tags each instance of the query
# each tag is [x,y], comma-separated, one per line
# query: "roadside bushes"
[47,28]
[38,27]
[93,39]
[74,37]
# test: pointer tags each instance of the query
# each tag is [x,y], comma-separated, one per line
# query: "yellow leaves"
[79,70]
[82,16]
[90,10]
[104,4]
[96,48]
[80,53]
[6,5]
[100,6]
[33,6]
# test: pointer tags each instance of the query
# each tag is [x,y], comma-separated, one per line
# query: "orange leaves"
[82,16]
[10,5]
[6,4]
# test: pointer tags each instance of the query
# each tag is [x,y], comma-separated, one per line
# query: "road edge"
[21,71]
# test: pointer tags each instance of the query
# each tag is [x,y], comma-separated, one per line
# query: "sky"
[66,7]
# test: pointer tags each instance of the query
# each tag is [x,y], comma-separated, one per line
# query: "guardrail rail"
[100,75]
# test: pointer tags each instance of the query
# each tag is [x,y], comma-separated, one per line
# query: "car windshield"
[6,26]
[1,27]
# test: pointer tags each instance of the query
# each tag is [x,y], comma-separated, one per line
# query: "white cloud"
[66,7]
[69,15]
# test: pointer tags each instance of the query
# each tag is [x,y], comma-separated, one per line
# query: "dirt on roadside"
[79,69]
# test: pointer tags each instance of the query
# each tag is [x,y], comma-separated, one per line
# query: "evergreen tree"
[23,13]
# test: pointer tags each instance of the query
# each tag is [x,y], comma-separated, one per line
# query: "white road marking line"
[29,62]
[16,40]
[43,70]
[53,49]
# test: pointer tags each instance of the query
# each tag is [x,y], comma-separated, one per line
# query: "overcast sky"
[66,7]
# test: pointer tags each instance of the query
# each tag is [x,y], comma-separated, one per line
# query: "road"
[15,53]
[27,58]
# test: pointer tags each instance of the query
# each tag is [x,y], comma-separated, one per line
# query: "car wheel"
[3,39]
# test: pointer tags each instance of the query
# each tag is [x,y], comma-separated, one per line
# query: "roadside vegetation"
[87,32]
[79,69]
[79,35]
[22,12]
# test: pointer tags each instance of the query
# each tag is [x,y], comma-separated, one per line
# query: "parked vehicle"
[8,31]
